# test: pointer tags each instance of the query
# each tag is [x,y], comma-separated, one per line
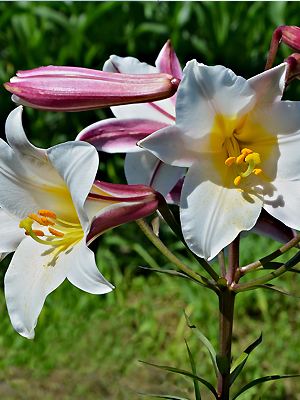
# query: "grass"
[88,346]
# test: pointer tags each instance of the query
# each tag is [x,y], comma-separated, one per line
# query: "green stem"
[259,263]
[226,313]
[168,254]
[268,277]
[233,259]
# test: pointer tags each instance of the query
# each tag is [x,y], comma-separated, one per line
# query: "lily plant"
[228,146]
[51,209]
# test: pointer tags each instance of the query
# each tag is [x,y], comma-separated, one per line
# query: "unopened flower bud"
[79,89]
[290,35]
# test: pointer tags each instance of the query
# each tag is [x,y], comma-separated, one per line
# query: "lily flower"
[57,88]
[51,208]
[241,144]
[136,121]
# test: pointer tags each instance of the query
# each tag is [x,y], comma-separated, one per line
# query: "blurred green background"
[88,347]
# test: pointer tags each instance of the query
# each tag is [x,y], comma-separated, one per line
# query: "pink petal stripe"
[119,215]
[122,191]
[118,135]
[168,62]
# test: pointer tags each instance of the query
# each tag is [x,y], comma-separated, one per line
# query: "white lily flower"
[43,195]
[241,144]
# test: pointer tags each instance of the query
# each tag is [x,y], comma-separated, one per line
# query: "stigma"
[245,163]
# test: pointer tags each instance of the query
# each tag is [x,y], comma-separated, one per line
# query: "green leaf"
[241,361]
[194,370]
[275,265]
[276,289]
[262,380]
[205,342]
[185,373]
[167,271]
[222,363]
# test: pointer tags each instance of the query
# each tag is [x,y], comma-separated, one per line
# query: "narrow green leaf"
[205,342]
[262,380]
[194,370]
[185,373]
[274,265]
[276,289]
[241,361]
[167,271]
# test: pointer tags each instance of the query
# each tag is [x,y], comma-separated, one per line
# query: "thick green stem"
[226,312]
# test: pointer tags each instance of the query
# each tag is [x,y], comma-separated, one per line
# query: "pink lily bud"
[293,70]
[58,88]
[290,35]
[121,204]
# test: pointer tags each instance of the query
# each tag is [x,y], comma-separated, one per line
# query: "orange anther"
[41,220]
[237,180]
[229,161]
[257,171]
[47,213]
[55,232]
[246,151]
[240,159]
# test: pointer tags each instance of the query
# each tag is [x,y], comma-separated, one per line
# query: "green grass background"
[88,347]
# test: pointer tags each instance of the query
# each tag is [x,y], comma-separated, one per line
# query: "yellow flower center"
[61,235]
[245,161]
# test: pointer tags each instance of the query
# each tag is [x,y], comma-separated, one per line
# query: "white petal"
[281,140]
[282,202]
[24,187]
[16,136]
[205,92]
[84,273]
[269,85]
[212,215]
[172,146]
[77,164]
[144,168]
[128,65]
[10,233]
[28,281]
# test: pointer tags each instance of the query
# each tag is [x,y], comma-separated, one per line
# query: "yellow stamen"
[229,161]
[237,180]
[255,157]
[55,232]
[47,213]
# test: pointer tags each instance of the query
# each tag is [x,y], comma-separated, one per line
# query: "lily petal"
[269,85]
[205,92]
[272,227]
[77,164]
[144,168]
[115,204]
[182,152]
[28,281]
[216,222]
[118,135]
[283,202]
[84,273]
[10,233]
[168,62]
